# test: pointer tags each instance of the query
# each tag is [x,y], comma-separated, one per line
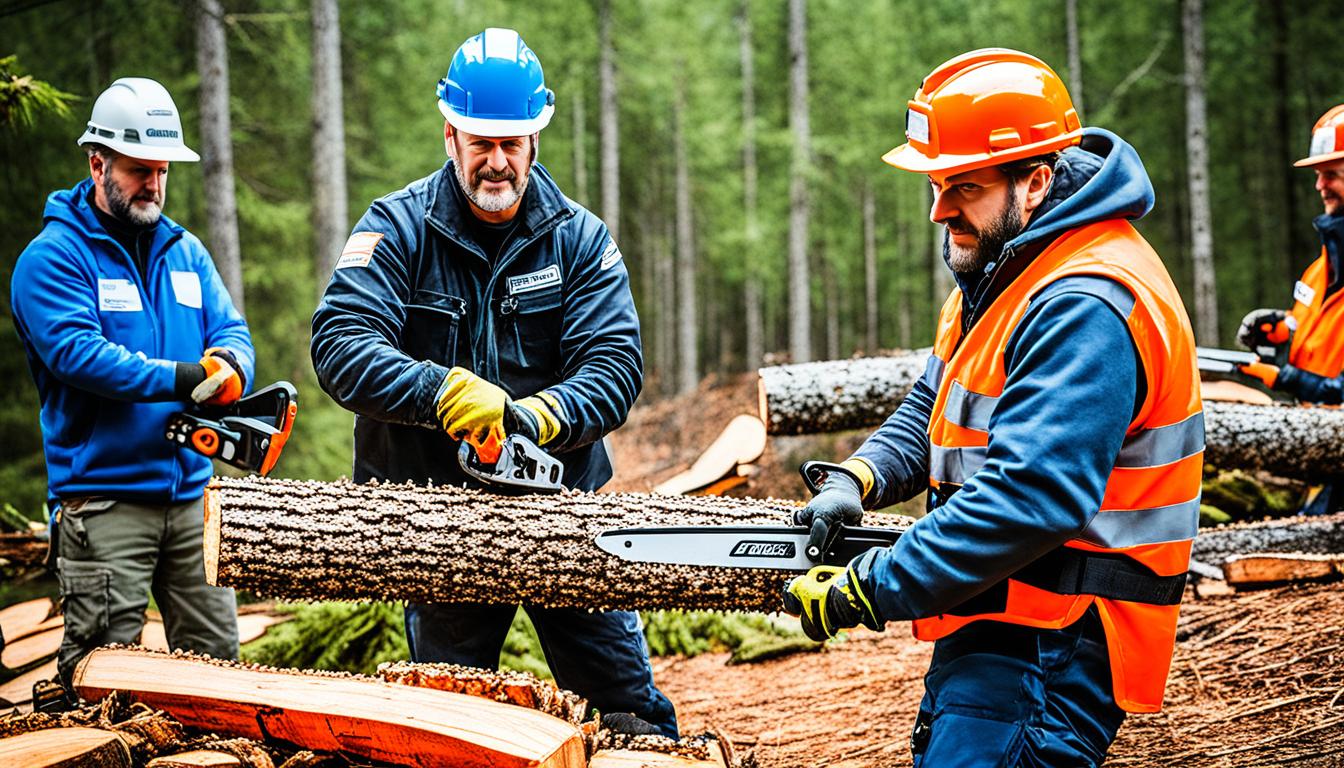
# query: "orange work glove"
[224,378]
[1263,371]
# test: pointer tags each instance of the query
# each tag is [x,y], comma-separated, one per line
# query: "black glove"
[520,421]
[1264,328]
[838,500]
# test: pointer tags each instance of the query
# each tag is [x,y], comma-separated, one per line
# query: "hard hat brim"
[496,129]
[907,158]
[180,154]
[1308,162]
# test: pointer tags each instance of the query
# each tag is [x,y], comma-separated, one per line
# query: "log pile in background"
[311,540]
[1321,535]
[1288,441]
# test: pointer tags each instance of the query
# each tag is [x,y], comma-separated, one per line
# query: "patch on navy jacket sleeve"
[359,249]
[611,255]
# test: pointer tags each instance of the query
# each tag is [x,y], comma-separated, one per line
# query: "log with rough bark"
[22,550]
[1253,571]
[1286,440]
[830,396]
[65,748]
[332,712]
[323,541]
[1321,535]
[196,758]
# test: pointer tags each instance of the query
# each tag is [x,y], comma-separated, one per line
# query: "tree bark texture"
[1322,535]
[212,64]
[608,123]
[751,298]
[870,334]
[580,148]
[1289,441]
[1075,55]
[340,541]
[800,286]
[688,342]
[330,216]
[1197,164]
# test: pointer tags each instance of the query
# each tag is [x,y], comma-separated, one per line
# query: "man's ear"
[97,167]
[449,146]
[1038,186]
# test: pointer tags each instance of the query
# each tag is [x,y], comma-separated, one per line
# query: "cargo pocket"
[86,595]
[433,321]
[537,328]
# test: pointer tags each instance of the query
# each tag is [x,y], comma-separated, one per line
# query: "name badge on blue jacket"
[533,281]
[187,288]
[118,296]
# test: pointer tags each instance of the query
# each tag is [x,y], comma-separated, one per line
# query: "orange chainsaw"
[249,434]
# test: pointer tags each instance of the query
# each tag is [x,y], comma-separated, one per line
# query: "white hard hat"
[136,117]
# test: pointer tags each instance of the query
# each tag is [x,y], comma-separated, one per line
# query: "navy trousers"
[1004,695]
[601,656]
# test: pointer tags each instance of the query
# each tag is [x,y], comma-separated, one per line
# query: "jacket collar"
[543,206]
[1331,229]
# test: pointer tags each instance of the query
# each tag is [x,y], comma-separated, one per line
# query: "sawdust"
[1258,679]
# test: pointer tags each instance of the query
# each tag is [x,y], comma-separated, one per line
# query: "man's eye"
[967,188]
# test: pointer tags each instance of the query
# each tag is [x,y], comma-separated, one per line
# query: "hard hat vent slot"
[130,134]
[1043,131]
[1004,138]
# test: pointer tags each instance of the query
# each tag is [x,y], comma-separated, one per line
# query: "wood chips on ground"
[1258,679]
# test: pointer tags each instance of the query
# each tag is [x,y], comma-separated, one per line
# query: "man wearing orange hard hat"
[1308,338]
[1057,431]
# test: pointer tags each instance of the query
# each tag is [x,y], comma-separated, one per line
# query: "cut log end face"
[61,747]
[517,688]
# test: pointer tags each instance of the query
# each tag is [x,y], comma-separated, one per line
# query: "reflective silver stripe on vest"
[1119,528]
[933,372]
[1163,445]
[955,465]
[969,409]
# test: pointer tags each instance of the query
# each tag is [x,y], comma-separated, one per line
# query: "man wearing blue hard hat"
[476,302]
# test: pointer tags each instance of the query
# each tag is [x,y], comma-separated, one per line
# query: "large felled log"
[1259,570]
[65,748]
[1285,440]
[1321,535]
[322,541]
[333,712]
[830,396]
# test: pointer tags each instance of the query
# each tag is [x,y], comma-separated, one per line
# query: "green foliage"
[750,636]
[349,637]
[1236,496]
[522,649]
[24,97]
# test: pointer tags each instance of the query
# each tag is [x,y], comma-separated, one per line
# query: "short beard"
[492,202]
[989,242]
[123,208]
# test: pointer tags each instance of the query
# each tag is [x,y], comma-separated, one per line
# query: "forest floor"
[1258,678]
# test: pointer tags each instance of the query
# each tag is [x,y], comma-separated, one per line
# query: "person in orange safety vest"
[1057,430]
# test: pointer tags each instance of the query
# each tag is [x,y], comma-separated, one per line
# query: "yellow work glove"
[224,378]
[1269,374]
[536,417]
[829,599]
[472,409]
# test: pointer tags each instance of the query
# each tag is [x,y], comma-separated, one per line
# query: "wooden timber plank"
[65,748]
[1231,392]
[741,442]
[19,691]
[198,758]
[630,758]
[333,713]
[1263,569]
[35,647]
[19,619]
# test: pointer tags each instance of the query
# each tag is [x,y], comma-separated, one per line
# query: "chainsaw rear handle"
[248,434]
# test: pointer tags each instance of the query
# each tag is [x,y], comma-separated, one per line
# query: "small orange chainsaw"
[249,434]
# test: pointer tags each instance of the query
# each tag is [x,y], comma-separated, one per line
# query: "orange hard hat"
[1327,139]
[983,108]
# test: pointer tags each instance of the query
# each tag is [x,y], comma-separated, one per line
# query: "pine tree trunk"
[330,216]
[688,363]
[580,149]
[609,125]
[212,65]
[831,296]
[800,294]
[1197,151]
[751,293]
[309,540]
[870,332]
[667,303]
[905,297]
[1075,55]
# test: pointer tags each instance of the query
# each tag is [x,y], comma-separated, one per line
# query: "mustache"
[489,175]
[960,226]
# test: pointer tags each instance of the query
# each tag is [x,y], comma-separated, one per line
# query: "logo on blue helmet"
[495,87]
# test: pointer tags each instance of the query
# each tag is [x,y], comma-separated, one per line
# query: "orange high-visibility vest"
[1150,509]
[1318,342]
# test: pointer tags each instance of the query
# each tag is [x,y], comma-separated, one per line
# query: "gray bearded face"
[143,210]
[491,201]
[989,240]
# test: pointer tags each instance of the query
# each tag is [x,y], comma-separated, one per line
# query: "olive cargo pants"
[113,554]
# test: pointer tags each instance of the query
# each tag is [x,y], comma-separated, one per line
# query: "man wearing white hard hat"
[125,321]
[1308,339]
[477,302]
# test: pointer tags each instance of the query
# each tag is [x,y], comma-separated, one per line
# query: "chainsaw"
[248,434]
[522,467]
[778,547]
[1225,365]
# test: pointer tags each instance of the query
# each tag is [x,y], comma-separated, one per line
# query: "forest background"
[733,146]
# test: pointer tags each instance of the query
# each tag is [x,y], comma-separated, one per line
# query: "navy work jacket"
[414,295]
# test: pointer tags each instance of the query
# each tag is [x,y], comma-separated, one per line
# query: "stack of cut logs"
[174,710]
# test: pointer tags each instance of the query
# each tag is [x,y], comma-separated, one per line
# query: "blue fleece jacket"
[103,343]
[1304,385]
[1072,386]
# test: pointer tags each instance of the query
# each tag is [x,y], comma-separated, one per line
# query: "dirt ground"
[1258,679]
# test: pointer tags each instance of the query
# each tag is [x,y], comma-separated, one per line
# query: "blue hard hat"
[495,87]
